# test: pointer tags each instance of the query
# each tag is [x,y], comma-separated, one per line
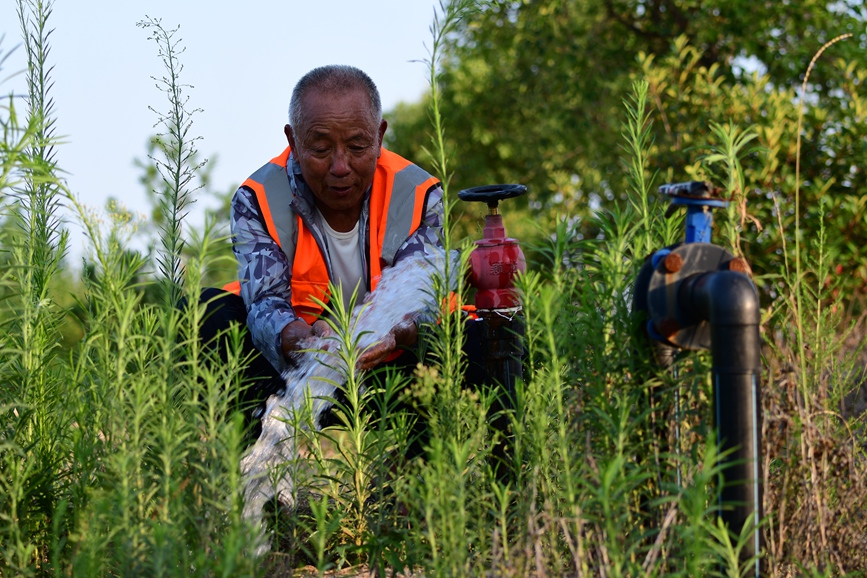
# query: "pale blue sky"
[243,58]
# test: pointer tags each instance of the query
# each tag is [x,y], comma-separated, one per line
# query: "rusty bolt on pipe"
[739,265]
[672,263]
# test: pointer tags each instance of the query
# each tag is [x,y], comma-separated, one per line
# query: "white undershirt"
[345,253]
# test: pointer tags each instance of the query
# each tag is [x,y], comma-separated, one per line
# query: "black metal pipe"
[728,301]
[495,353]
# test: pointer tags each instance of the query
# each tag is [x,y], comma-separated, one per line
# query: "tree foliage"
[533,91]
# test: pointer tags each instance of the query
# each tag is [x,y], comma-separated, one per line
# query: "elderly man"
[333,207]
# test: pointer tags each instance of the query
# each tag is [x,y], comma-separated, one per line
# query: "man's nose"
[340,162]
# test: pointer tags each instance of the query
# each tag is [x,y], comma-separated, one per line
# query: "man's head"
[334,79]
[335,130]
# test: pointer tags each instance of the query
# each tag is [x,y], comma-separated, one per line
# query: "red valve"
[497,259]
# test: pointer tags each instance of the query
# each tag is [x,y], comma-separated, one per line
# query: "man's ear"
[382,126]
[290,136]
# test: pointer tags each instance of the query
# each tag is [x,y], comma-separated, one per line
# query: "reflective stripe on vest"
[396,208]
[274,193]
[309,276]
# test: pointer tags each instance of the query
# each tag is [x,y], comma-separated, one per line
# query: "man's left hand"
[404,334]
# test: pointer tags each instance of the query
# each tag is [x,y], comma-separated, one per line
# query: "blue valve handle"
[698,197]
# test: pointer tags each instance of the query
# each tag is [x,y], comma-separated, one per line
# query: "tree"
[533,93]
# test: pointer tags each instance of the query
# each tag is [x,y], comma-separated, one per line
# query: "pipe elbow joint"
[727,298]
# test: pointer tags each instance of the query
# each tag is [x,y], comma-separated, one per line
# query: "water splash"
[267,467]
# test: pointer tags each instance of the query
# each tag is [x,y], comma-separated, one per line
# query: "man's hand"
[404,334]
[298,334]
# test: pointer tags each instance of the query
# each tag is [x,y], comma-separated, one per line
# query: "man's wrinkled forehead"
[309,100]
[351,116]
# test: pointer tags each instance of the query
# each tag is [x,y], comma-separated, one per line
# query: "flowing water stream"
[267,466]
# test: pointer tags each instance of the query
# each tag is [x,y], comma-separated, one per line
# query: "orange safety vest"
[396,207]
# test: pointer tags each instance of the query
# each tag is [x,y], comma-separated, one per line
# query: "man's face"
[337,147]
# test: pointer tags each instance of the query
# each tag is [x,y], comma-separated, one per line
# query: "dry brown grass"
[815,472]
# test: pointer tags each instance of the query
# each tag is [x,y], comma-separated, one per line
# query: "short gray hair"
[338,78]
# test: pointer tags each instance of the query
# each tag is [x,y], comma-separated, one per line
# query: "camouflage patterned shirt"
[265,271]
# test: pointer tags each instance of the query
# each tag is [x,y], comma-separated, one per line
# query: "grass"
[120,456]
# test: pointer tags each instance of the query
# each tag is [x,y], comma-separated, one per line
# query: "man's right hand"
[298,334]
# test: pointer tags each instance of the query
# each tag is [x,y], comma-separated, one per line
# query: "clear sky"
[242,58]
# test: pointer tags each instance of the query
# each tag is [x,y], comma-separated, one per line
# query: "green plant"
[175,167]
[121,457]
[729,152]
[35,423]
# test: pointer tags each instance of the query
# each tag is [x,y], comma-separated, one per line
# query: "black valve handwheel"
[492,194]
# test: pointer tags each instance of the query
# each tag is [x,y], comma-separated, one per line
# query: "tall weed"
[122,457]
[36,425]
